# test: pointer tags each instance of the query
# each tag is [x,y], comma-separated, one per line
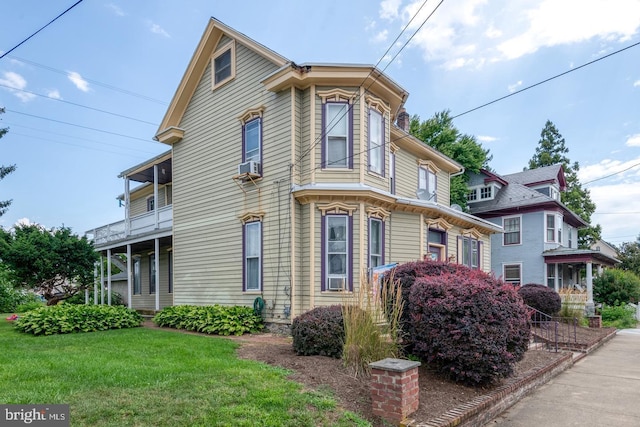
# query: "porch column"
[157,261]
[127,201]
[156,217]
[590,308]
[129,284]
[101,280]
[95,283]
[108,276]
[556,282]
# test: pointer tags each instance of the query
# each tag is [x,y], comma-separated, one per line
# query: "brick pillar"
[595,321]
[394,388]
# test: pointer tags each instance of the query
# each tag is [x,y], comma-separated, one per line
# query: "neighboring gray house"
[539,243]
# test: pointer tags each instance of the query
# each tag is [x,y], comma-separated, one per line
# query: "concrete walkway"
[601,390]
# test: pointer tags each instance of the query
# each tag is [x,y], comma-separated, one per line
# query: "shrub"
[616,286]
[468,328]
[541,297]
[319,332]
[116,298]
[210,319]
[69,318]
[11,298]
[618,316]
[371,325]
[29,306]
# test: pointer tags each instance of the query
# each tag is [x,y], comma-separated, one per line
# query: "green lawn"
[145,377]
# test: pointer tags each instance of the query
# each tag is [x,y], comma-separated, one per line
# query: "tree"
[440,133]
[629,256]
[4,171]
[55,263]
[551,150]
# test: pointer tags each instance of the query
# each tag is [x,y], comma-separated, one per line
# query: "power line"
[80,126]
[42,28]
[80,105]
[95,82]
[547,80]
[610,175]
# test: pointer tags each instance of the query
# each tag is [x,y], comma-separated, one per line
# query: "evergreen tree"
[629,256]
[4,171]
[551,150]
[440,133]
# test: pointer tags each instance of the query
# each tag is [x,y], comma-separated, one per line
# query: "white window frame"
[472,195]
[376,258]
[376,141]
[227,48]
[257,287]
[504,233]
[328,251]
[483,192]
[332,128]
[257,156]
[550,231]
[504,272]
[426,180]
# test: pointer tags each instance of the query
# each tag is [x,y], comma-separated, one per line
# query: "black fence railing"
[553,332]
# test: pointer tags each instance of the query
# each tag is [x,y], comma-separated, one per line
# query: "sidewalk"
[602,389]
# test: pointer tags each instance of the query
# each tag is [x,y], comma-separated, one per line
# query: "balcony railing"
[140,224]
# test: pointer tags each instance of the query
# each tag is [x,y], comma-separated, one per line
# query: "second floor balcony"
[136,226]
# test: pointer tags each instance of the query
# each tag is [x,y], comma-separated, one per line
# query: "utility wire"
[546,80]
[79,126]
[80,105]
[610,175]
[95,82]
[42,28]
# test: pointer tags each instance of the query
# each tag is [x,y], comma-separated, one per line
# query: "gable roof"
[198,63]
[543,175]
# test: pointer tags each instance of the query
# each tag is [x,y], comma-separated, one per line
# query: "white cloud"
[78,81]
[115,9]
[633,141]
[485,138]
[513,87]
[620,171]
[54,93]
[381,36]
[157,29]
[389,9]
[16,83]
[468,33]
[636,83]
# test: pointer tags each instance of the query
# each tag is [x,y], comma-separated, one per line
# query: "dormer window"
[480,194]
[486,193]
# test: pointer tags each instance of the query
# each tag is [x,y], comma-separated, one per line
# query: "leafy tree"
[440,133]
[629,256]
[4,171]
[551,150]
[55,263]
[616,287]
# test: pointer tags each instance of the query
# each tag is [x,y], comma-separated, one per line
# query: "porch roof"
[569,255]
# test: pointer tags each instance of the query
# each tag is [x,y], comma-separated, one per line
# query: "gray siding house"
[539,242]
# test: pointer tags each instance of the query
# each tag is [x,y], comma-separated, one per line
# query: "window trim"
[441,246]
[381,242]
[380,148]
[151,203]
[469,240]
[349,135]
[153,274]
[137,275]
[325,254]
[229,47]
[170,271]
[504,233]
[504,272]
[260,257]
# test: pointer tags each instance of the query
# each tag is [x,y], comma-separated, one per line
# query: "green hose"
[258,306]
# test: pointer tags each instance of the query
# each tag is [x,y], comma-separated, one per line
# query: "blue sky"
[127,58]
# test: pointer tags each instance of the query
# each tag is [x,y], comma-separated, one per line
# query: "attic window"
[223,65]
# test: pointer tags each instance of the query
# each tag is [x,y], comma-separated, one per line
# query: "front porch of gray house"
[140,245]
[565,266]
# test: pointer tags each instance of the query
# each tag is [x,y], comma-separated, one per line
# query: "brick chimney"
[403,120]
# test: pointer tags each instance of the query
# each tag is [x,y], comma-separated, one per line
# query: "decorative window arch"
[336,95]
[337,208]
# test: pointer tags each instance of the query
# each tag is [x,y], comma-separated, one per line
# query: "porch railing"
[553,332]
[139,224]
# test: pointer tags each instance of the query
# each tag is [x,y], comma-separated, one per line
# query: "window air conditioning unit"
[336,283]
[251,167]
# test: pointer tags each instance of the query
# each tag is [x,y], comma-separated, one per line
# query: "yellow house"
[286,182]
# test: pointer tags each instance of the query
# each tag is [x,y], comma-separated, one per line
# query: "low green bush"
[11,298]
[319,332]
[70,318]
[618,316]
[29,306]
[616,286]
[116,298]
[210,319]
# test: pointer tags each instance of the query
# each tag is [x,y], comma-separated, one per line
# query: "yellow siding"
[404,237]
[443,188]
[146,300]
[406,174]
[138,203]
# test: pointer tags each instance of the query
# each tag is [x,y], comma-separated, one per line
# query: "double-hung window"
[252,256]
[551,228]
[427,184]
[469,252]
[511,234]
[252,140]
[376,242]
[436,244]
[337,143]
[152,273]
[376,142]
[336,255]
[392,172]
[512,273]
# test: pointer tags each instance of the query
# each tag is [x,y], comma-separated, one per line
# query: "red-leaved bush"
[319,332]
[541,297]
[467,324]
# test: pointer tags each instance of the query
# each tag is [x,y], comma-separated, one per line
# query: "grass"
[146,377]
